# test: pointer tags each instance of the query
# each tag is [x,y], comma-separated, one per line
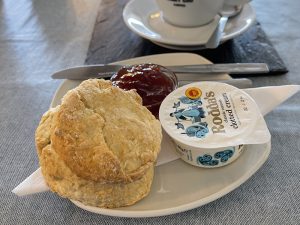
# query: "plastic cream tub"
[211,122]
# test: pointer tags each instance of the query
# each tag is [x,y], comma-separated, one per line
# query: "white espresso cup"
[236,2]
[233,7]
[189,13]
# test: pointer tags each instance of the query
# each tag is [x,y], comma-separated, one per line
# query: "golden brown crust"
[78,139]
[101,135]
[63,181]
[42,134]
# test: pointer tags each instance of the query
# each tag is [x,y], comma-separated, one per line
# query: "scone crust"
[100,140]
[64,182]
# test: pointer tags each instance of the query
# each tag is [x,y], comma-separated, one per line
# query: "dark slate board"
[113,41]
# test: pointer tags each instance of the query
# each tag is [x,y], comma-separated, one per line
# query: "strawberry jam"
[152,82]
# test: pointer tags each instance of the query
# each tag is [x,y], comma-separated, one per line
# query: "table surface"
[38,37]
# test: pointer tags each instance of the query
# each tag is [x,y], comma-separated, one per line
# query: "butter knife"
[106,71]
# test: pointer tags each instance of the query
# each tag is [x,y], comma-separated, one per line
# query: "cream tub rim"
[198,144]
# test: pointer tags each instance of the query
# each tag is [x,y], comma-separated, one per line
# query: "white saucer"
[178,186]
[144,18]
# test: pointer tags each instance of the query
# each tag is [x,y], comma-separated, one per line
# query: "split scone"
[99,146]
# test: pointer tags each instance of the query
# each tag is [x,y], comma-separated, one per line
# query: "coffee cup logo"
[181,3]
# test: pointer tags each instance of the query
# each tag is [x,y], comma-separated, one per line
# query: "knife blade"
[106,71]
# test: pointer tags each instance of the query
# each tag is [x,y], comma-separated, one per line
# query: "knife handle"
[232,68]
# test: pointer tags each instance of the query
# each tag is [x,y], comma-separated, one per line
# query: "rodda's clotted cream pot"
[211,123]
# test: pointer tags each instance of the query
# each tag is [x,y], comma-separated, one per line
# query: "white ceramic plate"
[144,18]
[178,186]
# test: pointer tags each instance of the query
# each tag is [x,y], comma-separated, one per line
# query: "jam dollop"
[151,81]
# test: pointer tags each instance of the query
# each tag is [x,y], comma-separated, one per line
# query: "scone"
[99,146]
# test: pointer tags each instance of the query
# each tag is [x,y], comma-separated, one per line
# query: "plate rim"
[182,208]
[226,37]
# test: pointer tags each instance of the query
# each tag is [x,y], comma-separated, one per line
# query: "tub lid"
[212,115]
